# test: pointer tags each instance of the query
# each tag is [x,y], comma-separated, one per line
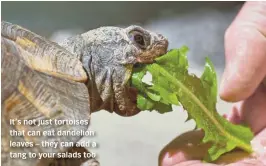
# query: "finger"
[247,162]
[245,52]
[193,163]
[259,146]
[174,161]
[189,147]
[184,147]
[235,115]
[251,111]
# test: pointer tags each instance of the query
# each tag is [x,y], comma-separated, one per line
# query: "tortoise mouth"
[139,65]
[148,56]
[144,59]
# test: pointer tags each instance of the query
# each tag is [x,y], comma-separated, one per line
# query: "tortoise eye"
[139,40]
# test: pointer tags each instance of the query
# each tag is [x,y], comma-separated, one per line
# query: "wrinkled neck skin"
[108,60]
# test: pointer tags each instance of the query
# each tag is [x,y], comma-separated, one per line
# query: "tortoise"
[43,80]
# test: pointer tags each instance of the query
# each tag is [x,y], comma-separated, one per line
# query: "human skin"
[244,83]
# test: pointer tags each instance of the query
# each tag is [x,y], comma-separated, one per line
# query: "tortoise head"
[146,45]
[111,53]
[134,44]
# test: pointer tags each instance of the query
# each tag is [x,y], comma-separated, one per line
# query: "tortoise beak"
[158,48]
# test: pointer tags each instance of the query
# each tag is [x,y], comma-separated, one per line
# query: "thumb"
[245,51]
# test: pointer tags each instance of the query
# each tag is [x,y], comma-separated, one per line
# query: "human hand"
[188,150]
[245,49]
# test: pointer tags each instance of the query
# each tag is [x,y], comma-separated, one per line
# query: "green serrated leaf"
[167,97]
[136,79]
[144,103]
[154,96]
[198,96]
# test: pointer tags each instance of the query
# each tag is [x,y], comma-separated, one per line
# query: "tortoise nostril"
[163,40]
[161,37]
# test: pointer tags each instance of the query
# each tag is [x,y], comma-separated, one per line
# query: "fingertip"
[173,159]
[239,84]
[184,148]
[166,160]
[233,88]
[235,115]
[245,53]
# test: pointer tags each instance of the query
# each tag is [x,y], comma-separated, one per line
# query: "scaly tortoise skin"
[86,73]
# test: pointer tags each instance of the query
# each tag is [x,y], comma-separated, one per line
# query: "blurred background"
[136,141]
